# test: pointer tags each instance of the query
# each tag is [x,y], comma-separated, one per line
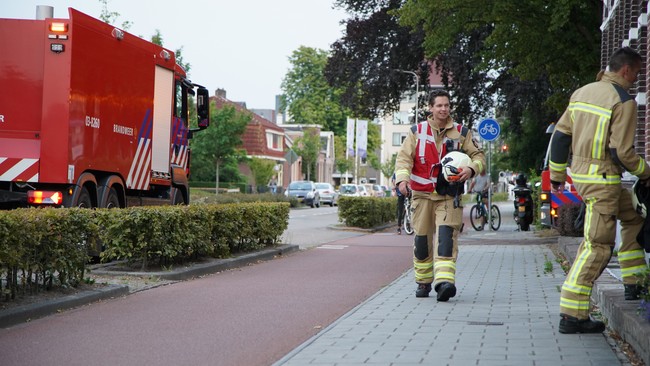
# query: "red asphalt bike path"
[247,316]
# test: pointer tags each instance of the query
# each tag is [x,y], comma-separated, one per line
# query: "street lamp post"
[417,91]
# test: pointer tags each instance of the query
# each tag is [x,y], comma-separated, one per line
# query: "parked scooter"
[523,214]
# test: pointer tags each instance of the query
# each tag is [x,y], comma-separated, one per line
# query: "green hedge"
[367,212]
[43,248]
[40,248]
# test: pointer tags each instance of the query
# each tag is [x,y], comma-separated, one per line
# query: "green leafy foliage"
[366,212]
[43,248]
[362,64]
[172,234]
[308,96]
[308,146]
[528,57]
[217,147]
[262,170]
[644,282]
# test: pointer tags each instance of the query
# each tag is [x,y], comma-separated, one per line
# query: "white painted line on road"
[328,246]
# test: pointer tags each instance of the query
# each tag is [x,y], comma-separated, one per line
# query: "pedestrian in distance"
[400,206]
[437,218]
[598,128]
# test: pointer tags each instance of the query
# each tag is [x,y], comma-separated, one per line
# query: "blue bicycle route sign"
[489,129]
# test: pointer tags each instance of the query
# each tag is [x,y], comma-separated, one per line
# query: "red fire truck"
[92,116]
[551,202]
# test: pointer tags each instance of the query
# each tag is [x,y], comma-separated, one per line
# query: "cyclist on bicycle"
[480,185]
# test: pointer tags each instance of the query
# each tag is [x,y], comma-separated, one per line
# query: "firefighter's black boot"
[632,292]
[445,291]
[423,290]
[571,325]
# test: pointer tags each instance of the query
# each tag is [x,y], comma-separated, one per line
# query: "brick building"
[625,23]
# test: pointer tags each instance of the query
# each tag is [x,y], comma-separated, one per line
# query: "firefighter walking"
[437,216]
[598,129]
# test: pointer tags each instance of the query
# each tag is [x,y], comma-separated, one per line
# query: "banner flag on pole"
[362,138]
[350,138]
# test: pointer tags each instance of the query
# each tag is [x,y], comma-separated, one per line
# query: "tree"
[362,63]
[558,40]
[307,95]
[262,170]
[388,168]
[110,17]
[527,57]
[219,144]
[342,162]
[308,146]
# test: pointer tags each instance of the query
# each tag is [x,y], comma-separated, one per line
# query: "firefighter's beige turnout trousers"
[604,204]
[436,223]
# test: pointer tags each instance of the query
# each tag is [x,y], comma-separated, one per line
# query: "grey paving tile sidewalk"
[505,313]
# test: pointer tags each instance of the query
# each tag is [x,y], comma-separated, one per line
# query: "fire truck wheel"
[84,200]
[178,197]
[113,201]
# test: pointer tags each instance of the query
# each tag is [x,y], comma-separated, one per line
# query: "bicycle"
[408,216]
[479,211]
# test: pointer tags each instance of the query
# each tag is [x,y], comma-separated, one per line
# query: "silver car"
[305,191]
[351,190]
[327,193]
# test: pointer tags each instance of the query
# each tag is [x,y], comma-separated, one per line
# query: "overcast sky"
[238,45]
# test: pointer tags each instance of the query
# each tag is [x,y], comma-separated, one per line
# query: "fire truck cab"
[92,116]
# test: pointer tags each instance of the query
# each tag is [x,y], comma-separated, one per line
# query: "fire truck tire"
[84,201]
[113,200]
[178,197]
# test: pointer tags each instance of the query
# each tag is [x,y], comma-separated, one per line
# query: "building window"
[398,138]
[273,141]
[401,118]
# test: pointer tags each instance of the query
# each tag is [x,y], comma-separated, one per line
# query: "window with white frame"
[274,141]
[398,138]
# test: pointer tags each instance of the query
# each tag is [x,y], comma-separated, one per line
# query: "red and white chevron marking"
[138,177]
[180,159]
[18,170]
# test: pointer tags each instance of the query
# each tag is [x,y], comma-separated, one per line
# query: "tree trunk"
[216,191]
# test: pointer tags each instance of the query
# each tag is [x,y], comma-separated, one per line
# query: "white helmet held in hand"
[640,197]
[450,164]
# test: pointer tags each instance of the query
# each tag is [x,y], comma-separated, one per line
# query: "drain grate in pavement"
[485,323]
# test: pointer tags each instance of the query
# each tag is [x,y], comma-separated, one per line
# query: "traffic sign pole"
[489,130]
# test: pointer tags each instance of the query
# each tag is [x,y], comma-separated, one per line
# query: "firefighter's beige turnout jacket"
[406,155]
[598,127]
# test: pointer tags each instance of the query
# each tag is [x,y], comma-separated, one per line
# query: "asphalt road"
[250,316]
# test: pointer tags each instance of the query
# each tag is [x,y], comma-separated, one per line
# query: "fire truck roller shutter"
[162,119]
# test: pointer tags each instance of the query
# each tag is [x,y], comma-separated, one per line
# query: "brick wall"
[625,24]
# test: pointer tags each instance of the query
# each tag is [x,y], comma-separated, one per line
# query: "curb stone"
[26,313]
[214,266]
